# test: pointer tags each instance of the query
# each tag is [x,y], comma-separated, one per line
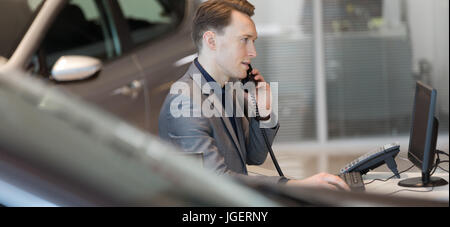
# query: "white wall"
[285,12]
[276,16]
[428,23]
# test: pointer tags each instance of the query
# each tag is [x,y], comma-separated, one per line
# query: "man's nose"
[252,50]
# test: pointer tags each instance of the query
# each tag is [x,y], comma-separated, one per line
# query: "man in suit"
[224,34]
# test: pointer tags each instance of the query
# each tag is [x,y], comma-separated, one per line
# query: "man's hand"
[321,180]
[263,95]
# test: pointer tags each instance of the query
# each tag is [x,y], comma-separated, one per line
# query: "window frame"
[124,31]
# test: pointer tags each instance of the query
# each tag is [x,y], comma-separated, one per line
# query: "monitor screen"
[421,150]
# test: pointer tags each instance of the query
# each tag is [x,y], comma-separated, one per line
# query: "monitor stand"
[417,182]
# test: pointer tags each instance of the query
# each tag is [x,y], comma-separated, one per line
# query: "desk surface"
[391,187]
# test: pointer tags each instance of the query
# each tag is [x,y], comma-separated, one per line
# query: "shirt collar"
[205,74]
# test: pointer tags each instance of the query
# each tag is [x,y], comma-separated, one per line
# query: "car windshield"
[15,19]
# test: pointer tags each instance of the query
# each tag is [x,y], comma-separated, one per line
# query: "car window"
[15,18]
[79,29]
[151,19]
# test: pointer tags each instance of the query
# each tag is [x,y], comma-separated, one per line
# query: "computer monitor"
[423,137]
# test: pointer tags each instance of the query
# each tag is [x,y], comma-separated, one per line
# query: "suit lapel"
[241,135]
[218,108]
[193,71]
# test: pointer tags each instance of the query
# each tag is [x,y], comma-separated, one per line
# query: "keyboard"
[354,180]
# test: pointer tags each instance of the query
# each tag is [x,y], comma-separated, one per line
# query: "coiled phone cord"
[266,139]
[272,155]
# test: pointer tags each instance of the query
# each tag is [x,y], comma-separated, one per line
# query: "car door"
[86,28]
[159,32]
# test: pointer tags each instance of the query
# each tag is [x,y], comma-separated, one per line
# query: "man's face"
[235,47]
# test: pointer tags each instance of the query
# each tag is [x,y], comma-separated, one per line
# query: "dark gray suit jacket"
[224,151]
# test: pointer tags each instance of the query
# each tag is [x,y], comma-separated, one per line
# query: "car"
[120,55]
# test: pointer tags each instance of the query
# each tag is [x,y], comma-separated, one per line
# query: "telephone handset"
[251,97]
[251,78]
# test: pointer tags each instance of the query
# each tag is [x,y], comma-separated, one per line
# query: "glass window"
[15,18]
[290,63]
[286,56]
[374,51]
[78,30]
[368,67]
[351,15]
[151,19]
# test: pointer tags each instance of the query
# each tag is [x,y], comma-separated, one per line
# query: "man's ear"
[209,39]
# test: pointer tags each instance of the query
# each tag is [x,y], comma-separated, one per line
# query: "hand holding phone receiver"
[250,76]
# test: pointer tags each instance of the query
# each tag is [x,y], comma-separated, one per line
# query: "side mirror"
[75,68]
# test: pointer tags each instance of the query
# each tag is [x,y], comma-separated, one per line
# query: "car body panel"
[150,64]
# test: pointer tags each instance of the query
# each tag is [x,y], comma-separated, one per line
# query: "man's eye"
[245,40]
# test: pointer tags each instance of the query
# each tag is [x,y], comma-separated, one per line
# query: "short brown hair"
[216,14]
